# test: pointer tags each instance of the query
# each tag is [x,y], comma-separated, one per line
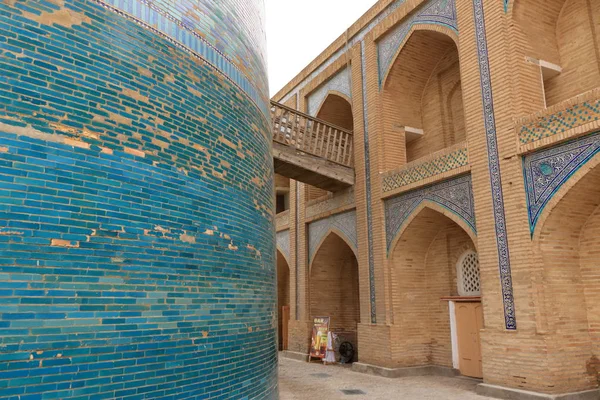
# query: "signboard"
[318,345]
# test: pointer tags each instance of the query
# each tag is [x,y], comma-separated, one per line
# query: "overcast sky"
[299,30]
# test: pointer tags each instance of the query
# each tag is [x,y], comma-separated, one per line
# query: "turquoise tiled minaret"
[136,215]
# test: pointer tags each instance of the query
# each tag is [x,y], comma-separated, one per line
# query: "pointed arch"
[562,190]
[336,109]
[441,29]
[550,173]
[428,204]
[423,269]
[334,286]
[337,232]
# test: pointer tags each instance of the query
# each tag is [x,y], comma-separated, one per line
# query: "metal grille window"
[468,274]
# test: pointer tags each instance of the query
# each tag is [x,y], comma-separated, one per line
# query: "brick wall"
[439,83]
[126,271]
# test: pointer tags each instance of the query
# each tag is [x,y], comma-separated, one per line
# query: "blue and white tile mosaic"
[494,167]
[455,195]
[368,185]
[340,82]
[283,243]
[434,12]
[343,223]
[546,171]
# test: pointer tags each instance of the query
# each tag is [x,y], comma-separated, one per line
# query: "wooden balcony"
[310,150]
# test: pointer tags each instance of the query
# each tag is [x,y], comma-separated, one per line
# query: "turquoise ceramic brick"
[136,215]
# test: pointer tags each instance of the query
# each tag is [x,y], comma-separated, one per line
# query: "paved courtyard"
[300,380]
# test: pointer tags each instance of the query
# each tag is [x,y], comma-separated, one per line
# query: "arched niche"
[424,270]
[558,39]
[334,287]
[422,97]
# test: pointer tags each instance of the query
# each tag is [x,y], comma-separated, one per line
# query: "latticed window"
[468,274]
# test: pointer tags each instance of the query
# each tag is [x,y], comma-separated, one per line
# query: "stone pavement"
[300,380]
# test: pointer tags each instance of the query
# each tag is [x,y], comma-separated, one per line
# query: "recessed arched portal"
[568,250]
[283,299]
[334,287]
[560,34]
[422,97]
[435,267]
[337,110]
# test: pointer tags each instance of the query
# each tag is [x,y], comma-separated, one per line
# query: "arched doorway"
[436,294]
[568,249]
[422,98]
[334,288]
[283,300]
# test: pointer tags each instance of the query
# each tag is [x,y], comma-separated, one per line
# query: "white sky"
[298,31]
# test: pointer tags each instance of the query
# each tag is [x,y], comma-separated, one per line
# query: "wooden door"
[285,321]
[469,321]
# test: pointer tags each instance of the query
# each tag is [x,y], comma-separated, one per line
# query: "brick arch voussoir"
[416,28]
[341,235]
[428,204]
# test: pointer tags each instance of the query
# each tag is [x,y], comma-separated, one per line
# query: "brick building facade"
[476,131]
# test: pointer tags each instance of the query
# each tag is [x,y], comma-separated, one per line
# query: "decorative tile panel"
[344,223]
[368,184]
[494,167]
[455,195]
[434,12]
[341,199]
[561,121]
[421,170]
[340,82]
[228,34]
[546,171]
[283,243]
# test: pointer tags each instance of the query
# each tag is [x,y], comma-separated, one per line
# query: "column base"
[404,371]
[294,355]
[501,392]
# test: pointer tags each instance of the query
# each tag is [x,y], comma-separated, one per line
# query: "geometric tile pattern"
[343,223]
[283,243]
[494,167]
[368,185]
[455,195]
[560,121]
[340,82]
[546,171]
[434,12]
[444,163]
[228,34]
[468,275]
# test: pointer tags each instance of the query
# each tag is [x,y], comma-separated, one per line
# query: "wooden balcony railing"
[311,135]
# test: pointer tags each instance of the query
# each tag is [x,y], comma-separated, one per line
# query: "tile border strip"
[368,185]
[494,167]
